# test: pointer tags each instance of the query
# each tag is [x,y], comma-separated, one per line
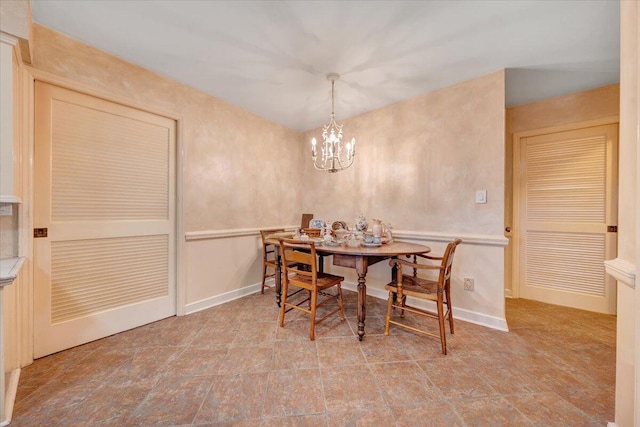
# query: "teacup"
[368,238]
[377,240]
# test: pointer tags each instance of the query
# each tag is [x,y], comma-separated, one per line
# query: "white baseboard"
[459,313]
[610,424]
[203,304]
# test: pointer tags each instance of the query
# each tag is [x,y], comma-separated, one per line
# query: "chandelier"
[333,157]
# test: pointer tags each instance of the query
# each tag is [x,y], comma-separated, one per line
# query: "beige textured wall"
[240,170]
[232,156]
[576,107]
[418,166]
[419,163]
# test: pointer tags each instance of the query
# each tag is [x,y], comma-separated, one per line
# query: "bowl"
[353,243]
[341,234]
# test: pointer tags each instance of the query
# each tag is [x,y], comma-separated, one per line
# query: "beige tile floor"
[232,365]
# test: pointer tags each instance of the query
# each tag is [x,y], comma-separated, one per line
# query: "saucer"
[372,245]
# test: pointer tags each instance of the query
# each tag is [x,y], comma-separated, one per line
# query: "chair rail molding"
[233,232]
[622,270]
[469,239]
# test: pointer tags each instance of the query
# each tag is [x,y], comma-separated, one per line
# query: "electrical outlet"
[468,284]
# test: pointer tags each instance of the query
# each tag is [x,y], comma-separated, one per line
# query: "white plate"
[372,245]
[332,244]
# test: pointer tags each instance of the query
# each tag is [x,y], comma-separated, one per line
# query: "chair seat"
[416,287]
[324,280]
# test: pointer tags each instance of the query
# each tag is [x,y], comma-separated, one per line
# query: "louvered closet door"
[568,196]
[105,191]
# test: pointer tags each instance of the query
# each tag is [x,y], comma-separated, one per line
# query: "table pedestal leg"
[362,305]
[278,277]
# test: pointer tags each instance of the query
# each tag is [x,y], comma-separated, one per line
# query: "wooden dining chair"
[269,261]
[306,218]
[301,271]
[415,286]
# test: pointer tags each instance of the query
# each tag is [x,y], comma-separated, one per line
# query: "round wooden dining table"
[359,258]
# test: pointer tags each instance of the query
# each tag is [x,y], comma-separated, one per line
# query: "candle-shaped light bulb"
[353,146]
[313,147]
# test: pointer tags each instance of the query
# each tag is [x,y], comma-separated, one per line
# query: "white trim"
[459,313]
[471,239]
[610,424]
[623,271]
[8,39]
[181,275]
[9,269]
[233,232]
[9,199]
[203,304]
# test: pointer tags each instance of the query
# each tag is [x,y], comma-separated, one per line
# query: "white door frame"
[517,141]
[26,156]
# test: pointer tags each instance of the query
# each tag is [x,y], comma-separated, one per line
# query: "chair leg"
[443,337]
[389,306]
[314,301]
[264,275]
[448,291]
[340,302]
[403,303]
[283,303]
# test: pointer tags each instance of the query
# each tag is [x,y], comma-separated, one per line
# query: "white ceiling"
[271,57]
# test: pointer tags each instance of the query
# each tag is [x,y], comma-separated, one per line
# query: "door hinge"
[612,228]
[40,232]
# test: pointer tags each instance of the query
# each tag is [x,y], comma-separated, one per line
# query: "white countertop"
[9,268]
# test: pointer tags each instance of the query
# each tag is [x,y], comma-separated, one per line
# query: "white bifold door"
[568,217]
[104,218]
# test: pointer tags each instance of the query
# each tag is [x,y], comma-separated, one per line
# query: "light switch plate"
[481,196]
